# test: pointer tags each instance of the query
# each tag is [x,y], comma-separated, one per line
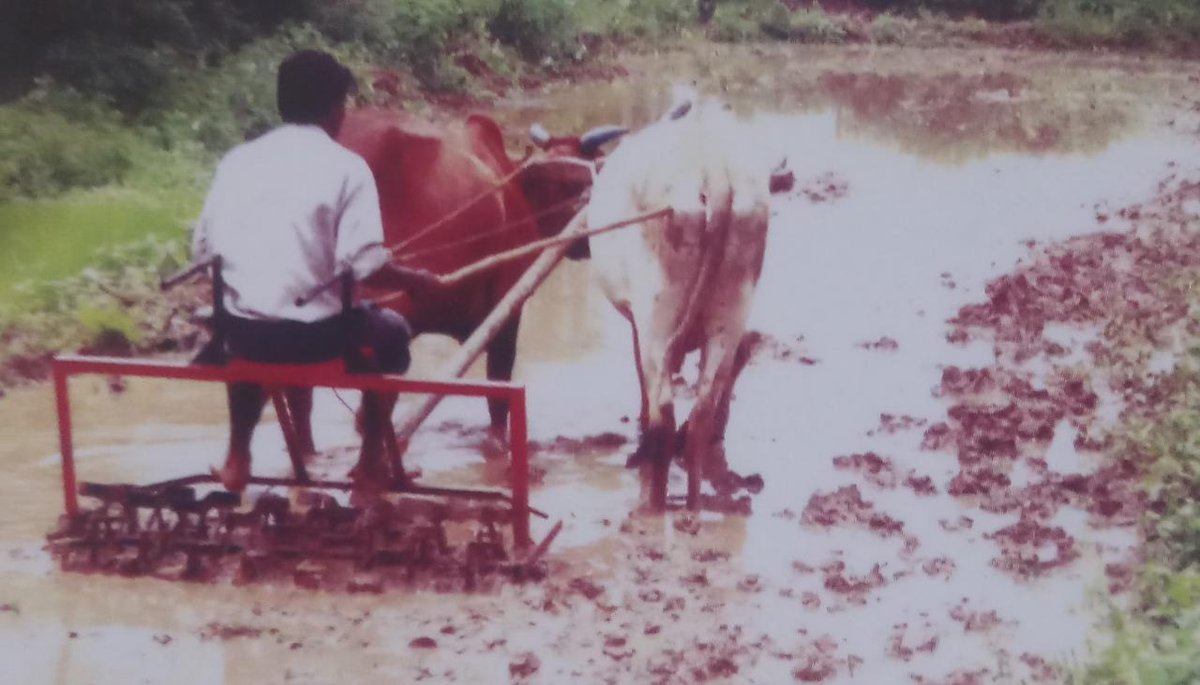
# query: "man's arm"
[360,240]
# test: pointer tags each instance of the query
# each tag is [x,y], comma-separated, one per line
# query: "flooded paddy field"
[936,507]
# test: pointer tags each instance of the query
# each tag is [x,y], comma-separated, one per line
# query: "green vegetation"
[113,113]
[1157,641]
[1127,23]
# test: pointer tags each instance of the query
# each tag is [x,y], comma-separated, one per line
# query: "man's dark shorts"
[373,339]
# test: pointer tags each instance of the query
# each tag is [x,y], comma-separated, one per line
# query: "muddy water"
[919,176]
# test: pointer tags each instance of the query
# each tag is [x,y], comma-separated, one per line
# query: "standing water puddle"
[919,176]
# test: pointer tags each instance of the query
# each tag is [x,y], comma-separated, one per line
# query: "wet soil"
[946,339]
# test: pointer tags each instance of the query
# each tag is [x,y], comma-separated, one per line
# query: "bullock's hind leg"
[501,358]
[656,446]
[744,351]
[716,467]
[716,375]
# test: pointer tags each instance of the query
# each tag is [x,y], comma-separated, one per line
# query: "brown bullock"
[450,195]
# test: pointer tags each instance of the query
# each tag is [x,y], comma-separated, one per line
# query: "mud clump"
[1025,548]
[937,437]
[961,523]
[810,600]
[882,473]
[901,649]
[1040,671]
[884,344]
[878,470]
[890,424]
[845,506]
[825,188]
[524,666]
[592,444]
[586,587]
[975,621]
[939,566]
[853,587]
[955,678]
[707,556]
[921,485]
[1121,576]
[766,345]
[221,631]
[818,661]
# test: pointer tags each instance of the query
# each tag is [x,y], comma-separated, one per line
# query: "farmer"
[286,212]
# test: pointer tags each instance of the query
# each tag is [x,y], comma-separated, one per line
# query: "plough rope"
[495,260]
[505,227]
[453,214]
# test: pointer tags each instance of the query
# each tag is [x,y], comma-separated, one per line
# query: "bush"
[736,23]
[623,19]
[536,28]
[52,142]
[234,99]
[996,10]
[1143,652]
[1159,640]
[115,305]
[125,51]
[804,26]
[889,30]
[1133,23]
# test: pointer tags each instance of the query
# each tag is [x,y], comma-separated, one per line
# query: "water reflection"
[949,107]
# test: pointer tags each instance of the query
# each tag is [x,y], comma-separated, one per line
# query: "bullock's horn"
[591,141]
[539,135]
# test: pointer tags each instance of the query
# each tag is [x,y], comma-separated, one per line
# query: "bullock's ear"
[486,132]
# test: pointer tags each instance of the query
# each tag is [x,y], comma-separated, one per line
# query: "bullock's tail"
[718,215]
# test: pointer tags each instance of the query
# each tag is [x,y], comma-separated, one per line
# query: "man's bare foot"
[234,475]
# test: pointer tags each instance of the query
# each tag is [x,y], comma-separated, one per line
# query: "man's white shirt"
[287,211]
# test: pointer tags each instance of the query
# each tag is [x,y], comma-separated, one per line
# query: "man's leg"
[387,334]
[300,402]
[246,402]
[371,472]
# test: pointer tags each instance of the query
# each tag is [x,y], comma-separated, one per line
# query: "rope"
[453,214]
[345,404]
[509,255]
[507,226]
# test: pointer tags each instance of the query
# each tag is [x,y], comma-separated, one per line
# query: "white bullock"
[684,282]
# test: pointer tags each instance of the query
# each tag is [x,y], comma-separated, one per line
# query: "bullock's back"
[426,173]
[444,203]
[697,165]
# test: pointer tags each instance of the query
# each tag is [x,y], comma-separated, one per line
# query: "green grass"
[45,240]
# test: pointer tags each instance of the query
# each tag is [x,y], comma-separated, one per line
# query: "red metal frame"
[325,376]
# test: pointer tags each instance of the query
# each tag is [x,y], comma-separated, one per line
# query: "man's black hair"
[310,87]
